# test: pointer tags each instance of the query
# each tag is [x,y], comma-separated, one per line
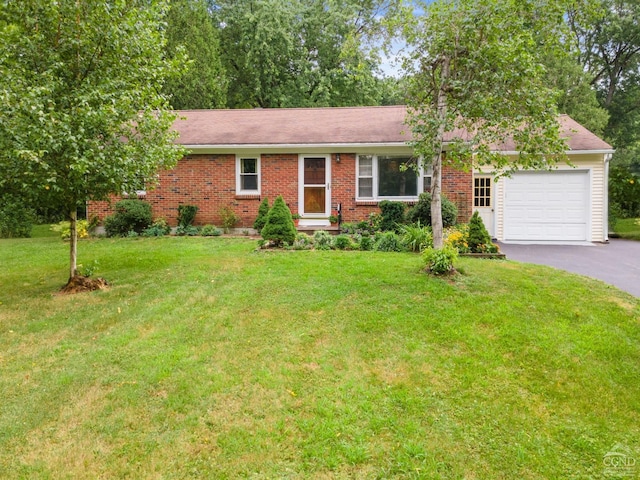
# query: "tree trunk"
[436,181]
[436,202]
[73,244]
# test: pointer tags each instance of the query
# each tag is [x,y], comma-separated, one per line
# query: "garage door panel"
[546,206]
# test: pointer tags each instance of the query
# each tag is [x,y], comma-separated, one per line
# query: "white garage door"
[547,206]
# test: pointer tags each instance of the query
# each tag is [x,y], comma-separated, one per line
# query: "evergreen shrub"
[279,227]
[261,219]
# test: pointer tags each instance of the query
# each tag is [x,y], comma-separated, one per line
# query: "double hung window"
[248,175]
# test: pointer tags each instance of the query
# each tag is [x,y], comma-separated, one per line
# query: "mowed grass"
[206,359]
[628,228]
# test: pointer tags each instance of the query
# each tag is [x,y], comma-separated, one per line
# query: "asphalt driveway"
[617,263]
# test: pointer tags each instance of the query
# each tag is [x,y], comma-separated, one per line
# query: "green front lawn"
[206,359]
[628,228]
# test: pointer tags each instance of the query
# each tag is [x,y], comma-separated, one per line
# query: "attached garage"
[547,206]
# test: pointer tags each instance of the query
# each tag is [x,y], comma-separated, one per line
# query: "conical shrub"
[279,227]
[263,211]
[478,235]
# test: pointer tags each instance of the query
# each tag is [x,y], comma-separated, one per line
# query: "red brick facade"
[209,181]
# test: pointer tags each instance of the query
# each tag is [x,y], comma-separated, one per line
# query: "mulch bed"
[79,284]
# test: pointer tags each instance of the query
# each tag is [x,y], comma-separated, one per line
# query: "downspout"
[607,159]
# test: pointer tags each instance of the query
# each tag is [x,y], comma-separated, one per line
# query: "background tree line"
[306,53]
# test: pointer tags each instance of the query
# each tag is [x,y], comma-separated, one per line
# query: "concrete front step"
[311,229]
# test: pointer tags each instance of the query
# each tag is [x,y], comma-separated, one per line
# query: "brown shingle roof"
[323,126]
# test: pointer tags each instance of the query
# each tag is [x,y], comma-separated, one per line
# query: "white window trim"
[375,181]
[239,159]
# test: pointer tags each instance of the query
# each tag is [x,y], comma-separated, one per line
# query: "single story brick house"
[322,159]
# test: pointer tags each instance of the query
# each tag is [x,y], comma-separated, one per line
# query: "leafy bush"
[416,237]
[624,192]
[64,228]
[375,220]
[188,231]
[440,260]
[210,231]
[365,242]
[354,228]
[388,242]
[229,218]
[456,237]
[263,211]
[186,215]
[279,227]
[392,215]
[89,269]
[159,228]
[421,211]
[343,242]
[322,240]
[16,220]
[131,215]
[302,242]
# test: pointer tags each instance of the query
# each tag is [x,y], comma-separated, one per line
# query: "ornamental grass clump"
[279,228]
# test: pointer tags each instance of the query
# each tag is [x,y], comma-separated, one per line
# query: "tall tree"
[301,52]
[81,116]
[476,74]
[190,29]
[609,40]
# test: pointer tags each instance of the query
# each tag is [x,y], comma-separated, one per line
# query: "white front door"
[314,189]
[483,200]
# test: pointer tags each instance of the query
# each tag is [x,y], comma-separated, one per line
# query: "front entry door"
[315,195]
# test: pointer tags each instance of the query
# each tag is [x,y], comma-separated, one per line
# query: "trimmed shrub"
[322,240]
[16,220]
[478,239]
[210,231]
[440,260]
[131,215]
[388,242]
[263,211]
[416,237]
[421,211]
[392,215]
[279,227]
[186,215]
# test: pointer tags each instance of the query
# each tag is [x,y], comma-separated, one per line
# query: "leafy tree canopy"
[476,68]
[190,29]
[81,113]
[301,52]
